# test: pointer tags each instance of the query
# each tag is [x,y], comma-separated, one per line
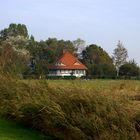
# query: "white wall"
[77,73]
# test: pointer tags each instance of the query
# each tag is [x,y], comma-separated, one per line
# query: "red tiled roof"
[67,61]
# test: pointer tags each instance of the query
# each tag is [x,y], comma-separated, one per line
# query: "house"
[67,65]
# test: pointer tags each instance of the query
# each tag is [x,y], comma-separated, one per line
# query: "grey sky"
[102,22]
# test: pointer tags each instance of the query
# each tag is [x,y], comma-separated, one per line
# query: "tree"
[98,61]
[13,60]
[41,68]
[119,56]
[129,69]
[31,45]
[14,57]
[79,44]
[56,47]
[14,30]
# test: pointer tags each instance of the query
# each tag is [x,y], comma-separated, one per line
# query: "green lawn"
[12,131]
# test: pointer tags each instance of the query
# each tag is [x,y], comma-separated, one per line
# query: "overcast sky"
[102,22]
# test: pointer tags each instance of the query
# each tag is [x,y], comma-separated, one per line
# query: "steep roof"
[67,61]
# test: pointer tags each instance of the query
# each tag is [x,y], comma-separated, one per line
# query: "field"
[76,109]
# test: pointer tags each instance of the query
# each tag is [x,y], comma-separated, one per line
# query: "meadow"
[74,109]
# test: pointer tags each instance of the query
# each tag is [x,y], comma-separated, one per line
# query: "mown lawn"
[12,131]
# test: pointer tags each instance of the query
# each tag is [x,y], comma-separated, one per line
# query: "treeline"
[23,56]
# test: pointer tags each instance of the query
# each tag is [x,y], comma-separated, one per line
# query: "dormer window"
[59,64]
[77,63]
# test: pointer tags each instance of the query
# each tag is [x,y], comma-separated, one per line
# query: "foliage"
[14,57]
[129,70]
[98,61]
[56,47]
[41,68]
[13,30]
[13,60]
[50,49]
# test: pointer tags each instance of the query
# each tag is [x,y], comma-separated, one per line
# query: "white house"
[67,65]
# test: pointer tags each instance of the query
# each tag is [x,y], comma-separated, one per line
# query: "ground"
[10,130]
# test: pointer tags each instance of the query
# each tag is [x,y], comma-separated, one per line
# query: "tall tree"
[79,44]
[14,30]
[14,57]
[120,55]
[16,35]
[55,48]
[98,61]
[13,60]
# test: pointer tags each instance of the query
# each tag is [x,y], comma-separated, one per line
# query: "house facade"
[67,65]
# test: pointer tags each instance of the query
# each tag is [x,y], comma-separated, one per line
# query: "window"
[73,72]
[76,63]
[59,64]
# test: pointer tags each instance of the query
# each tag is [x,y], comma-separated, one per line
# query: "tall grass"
[74,110]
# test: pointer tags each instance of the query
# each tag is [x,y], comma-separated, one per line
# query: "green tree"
[14,57]
[13,60]
[56,47]
[31,45]
[41,68]
[98,61]
[14,30]
[129,69]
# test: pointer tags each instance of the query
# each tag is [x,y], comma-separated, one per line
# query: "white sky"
[102,22]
